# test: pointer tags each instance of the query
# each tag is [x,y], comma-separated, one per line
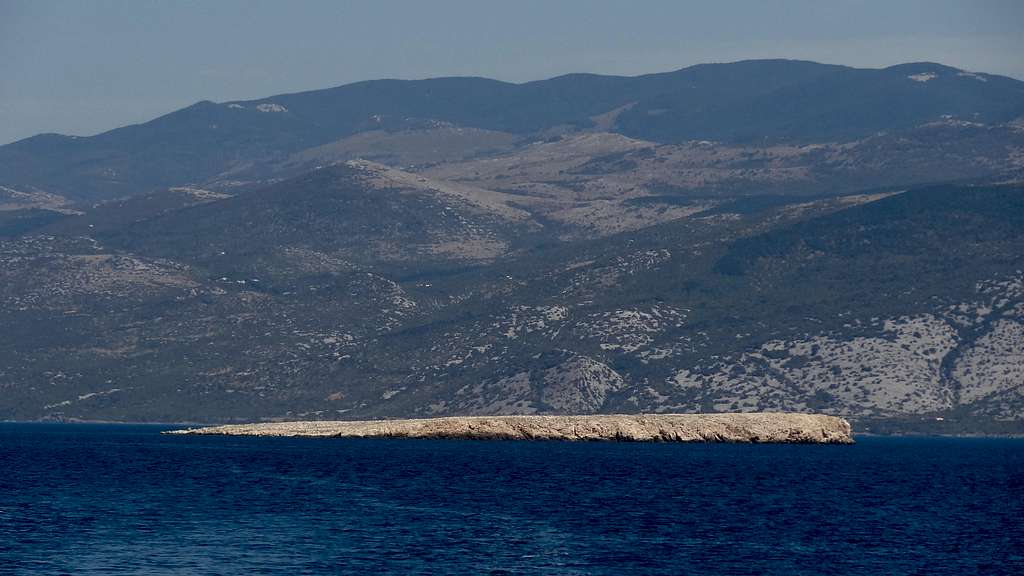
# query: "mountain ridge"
[753,101]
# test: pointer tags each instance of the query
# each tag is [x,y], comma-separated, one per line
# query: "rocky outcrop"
[579,385]
[749,427]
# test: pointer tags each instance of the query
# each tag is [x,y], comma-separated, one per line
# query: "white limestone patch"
[270,107]
[923,76]
[82,397]
[200,194]
[997,297]
[1008,287]
[972,75]
[948,120]
[656,353]
[993,364]
[895,373]
[389,394]
[629,330]
[525,320]
[392,293]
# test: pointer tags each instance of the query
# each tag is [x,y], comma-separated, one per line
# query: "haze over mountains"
[761,235]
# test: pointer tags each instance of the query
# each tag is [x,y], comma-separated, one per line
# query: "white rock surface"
[751,427]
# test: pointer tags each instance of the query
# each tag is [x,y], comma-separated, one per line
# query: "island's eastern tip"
[765,427]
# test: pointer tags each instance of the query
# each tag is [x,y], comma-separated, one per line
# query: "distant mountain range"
[753,102]
[762,235]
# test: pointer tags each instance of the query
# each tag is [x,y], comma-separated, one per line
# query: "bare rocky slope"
[315,257]
[899,311]
[753,428]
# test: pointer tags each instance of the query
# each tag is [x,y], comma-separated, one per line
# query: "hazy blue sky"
[81,67]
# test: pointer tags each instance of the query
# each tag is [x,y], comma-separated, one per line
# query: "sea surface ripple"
[117,499]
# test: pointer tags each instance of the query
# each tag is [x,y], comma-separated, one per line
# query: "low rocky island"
[740,427]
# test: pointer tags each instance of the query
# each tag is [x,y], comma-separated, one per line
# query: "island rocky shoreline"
[736,427]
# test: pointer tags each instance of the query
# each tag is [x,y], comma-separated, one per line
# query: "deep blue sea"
[96,499]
